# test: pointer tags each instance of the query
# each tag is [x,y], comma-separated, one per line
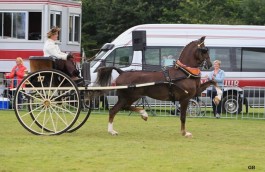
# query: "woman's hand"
[213,77]
[70,56]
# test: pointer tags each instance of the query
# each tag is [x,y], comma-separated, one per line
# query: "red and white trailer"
[24,25]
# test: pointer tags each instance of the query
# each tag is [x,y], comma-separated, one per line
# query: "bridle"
[190,71]
[203,50]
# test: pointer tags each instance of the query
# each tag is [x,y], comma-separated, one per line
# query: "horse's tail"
[104,75]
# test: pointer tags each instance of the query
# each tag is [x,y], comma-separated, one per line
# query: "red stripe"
[9,54]
[25,54]
[243,82]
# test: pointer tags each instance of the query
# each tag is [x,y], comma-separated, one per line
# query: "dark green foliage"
[104,20]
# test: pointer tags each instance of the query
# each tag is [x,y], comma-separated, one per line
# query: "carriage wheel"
[193,108]
[52,102]
[80,121]
[86,105]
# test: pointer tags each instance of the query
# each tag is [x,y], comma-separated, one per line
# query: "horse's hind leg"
[122,103]
[139,110]
[112,112]
[183,110]
[143,113]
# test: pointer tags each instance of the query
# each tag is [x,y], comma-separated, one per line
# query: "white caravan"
[241,49]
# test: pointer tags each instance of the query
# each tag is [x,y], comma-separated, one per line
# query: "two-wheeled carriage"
[52,101]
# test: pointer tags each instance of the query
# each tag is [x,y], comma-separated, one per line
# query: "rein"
[191,72]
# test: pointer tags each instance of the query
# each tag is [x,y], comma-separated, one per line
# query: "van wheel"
[231,104]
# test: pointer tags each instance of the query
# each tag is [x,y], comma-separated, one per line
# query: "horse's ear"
[202,39]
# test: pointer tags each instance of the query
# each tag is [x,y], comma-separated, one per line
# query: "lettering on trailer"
[231,83]
[226,82]
[256,82]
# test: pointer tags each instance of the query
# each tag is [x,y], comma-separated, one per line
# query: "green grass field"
[156,145]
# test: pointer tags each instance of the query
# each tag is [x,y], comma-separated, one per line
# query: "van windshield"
[98,57]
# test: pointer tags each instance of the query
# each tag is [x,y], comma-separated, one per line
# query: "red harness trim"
[192,71]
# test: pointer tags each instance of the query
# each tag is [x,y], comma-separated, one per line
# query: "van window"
[109,61]
[157,57]
[151,60]
[222,54]
[229,57]
[238,59]
[161,56]
[152,56]
[120,57]
[170,55]
[98,57]
[253,60]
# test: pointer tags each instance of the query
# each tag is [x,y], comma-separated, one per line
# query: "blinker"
[204,50]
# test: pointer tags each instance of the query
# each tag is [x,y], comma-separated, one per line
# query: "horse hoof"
[114,133]
[144,117]
[188,135]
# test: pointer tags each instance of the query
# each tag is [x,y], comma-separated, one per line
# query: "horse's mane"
[185,47]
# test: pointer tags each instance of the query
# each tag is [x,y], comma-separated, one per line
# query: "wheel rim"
[193,108]
[231,106]
[86,104]
[53,103]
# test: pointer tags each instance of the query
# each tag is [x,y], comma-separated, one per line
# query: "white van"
[240,48]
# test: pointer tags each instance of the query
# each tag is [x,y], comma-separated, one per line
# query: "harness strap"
[173,84]
[166,74]
[168,79]
[191,72]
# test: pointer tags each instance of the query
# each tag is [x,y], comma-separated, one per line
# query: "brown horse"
[180,82]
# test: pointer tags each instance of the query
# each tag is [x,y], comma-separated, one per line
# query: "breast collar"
[194,72]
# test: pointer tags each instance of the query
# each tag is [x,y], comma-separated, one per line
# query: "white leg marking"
[188,134]
[219,93]
[110,129]
[144,114]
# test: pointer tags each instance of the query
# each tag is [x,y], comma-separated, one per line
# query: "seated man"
[65,62]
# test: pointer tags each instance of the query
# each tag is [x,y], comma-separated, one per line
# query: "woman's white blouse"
[52,49]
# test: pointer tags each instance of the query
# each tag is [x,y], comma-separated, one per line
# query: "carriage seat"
[41,63]
[47,62]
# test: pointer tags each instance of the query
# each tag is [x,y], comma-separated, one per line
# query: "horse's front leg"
[112,112]
[203,86]
[183,110]
[217,98]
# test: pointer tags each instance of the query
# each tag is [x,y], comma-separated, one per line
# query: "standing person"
[218,76]
[17,74]
[65,62]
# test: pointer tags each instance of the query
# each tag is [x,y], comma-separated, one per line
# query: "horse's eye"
[204,50]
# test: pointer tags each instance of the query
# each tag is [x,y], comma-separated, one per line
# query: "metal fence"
[246,104]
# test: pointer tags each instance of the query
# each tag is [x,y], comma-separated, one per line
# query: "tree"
[104,20]
[253,12]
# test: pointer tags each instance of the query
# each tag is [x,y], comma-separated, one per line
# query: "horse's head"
[202,57]
[196,54]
